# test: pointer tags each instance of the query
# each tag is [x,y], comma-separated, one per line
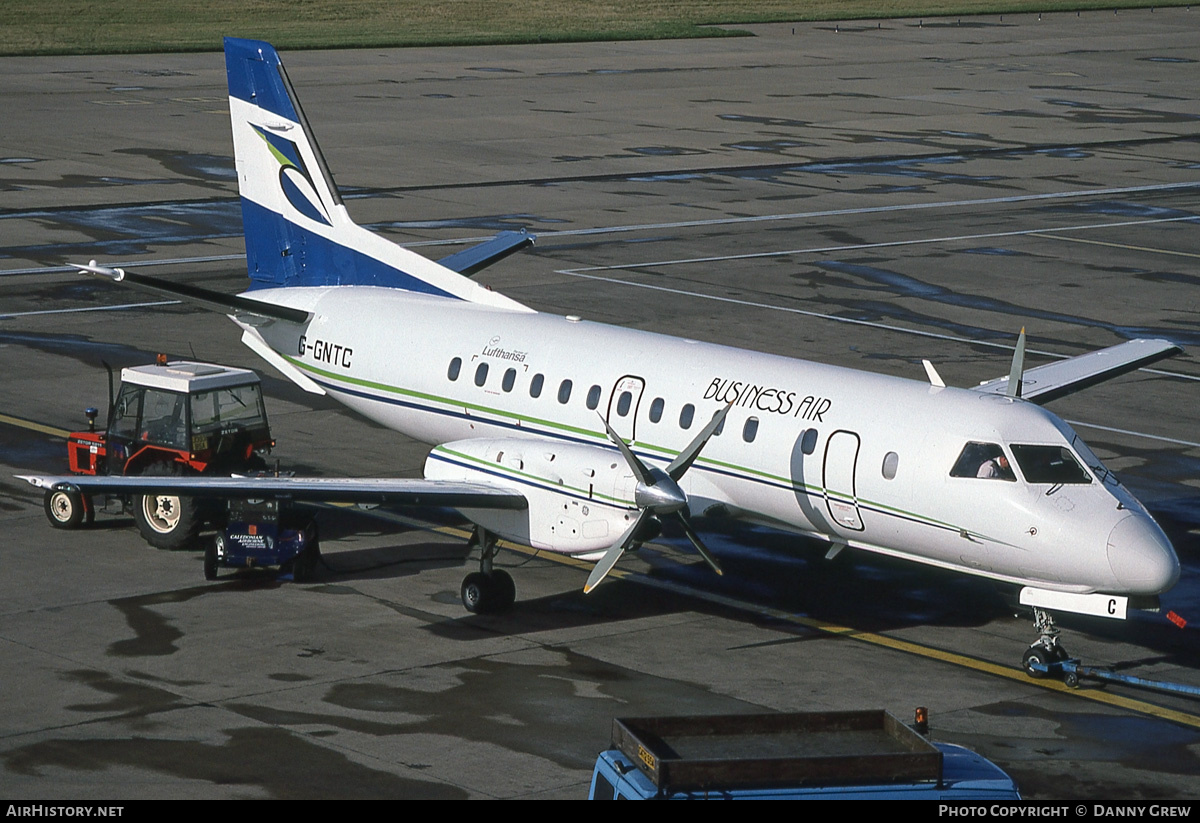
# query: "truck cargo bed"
[731,751]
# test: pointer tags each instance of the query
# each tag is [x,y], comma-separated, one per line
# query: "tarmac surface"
[865,194]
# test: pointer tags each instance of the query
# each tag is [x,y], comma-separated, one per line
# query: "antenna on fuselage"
[1017,372]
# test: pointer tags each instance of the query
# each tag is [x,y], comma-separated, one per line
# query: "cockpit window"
[986,460]
[1049,464]
[1102,472]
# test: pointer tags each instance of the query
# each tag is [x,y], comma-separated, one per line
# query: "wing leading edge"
[368,490]
[1054,380]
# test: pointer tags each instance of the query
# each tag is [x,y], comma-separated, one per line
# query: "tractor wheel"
[166,521]
[64,509]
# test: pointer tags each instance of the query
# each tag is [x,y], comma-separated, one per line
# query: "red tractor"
[168,419]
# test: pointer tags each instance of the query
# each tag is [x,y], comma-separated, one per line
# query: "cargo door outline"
[625,425]
[838,473]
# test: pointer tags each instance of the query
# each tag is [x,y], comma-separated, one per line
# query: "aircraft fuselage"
[867,460]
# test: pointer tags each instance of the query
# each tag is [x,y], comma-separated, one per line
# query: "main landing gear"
[488,590]
[1046,649]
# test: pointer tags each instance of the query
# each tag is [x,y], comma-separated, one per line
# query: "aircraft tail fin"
[298,232]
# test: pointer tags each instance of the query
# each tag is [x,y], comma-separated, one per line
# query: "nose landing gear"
[1046,649]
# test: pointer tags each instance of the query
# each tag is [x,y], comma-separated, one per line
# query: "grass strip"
[43,27]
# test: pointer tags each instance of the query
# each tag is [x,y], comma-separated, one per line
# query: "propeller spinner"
[657,494]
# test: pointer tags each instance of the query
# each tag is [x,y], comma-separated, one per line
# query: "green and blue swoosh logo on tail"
[294,179]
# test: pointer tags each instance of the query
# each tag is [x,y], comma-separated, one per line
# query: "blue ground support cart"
[266,533]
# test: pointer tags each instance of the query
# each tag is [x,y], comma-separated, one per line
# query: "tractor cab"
[198,416]
[167,419]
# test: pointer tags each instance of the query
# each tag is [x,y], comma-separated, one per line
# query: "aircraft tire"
[476,591]
[64,509]
[506,590]
[166,521]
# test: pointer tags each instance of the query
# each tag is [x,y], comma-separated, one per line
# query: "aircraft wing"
[1053,380]
[368,490]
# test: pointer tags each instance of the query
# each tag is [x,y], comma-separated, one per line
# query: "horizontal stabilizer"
[205,298]
[1054,380]
[369,490]
[477,258]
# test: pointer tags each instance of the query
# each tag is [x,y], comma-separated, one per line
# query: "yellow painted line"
[1115,245]
[32,426]
[1012,673]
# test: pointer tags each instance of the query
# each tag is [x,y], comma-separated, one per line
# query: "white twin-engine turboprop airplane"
[578,438]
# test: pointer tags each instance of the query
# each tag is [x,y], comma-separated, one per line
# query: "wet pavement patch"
[274,762]
[559,706]
[125,698]
[153,634]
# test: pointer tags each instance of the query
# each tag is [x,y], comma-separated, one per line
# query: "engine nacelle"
[580,497]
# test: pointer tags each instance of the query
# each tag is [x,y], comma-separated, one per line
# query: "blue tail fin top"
[298,232]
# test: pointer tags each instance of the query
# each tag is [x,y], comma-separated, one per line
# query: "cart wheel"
[211,553]
[1071,679]
[1035,654]
[64,508]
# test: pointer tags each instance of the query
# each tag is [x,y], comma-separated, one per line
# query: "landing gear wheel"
[506,589]
[64,508]
[488,593]
[477,594]
[166,521]
[1035,654]
[212,553]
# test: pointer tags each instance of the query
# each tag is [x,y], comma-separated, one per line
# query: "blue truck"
[855,755]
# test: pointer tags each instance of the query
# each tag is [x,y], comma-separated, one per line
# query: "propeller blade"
[605,564]
[700,547]
[639,468]
[688,456]
[1017,372]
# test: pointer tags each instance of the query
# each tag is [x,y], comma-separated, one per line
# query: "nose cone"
[1141,556]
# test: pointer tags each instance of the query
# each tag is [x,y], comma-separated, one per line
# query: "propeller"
[1017,373]
[657,494]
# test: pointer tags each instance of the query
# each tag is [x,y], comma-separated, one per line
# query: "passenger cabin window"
[685,416]
[1049,464]
[750,430]
[564,391]
[808,441]
[891,461]
[593,398]
[623,403]
[720,426]
[535,385]
[985,460]
[481,374]
[510,380]
[656,409]
[455,367]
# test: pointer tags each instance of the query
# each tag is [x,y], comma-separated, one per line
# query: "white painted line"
[119,307]
[955,238]
[1135,434]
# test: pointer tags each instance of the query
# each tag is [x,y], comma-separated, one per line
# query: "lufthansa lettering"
[768,399]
